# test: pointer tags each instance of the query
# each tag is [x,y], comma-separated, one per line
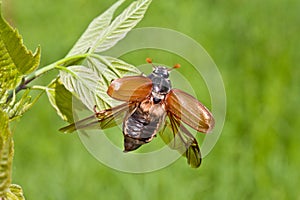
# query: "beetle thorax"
[161,83]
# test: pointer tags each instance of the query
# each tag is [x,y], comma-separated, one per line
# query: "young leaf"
[122,68]
[16,108]
[118,29]
[110,68]
[107,74]
[6,154]
[86,85]
[61,100]
[16,60]
[15,192]
[3,96]
[94,30]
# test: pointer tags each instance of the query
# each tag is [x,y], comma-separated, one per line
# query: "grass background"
[256,47]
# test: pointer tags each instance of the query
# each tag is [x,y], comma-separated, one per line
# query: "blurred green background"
[255,44]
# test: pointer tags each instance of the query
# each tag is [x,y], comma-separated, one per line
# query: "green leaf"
[89,84]
[61,100]
[6,154]
[3,96]
[120,66]
[109,68]
[94,30]
[15,192]
[103,34]
[15,59]
[86,85]
[15,108]
[118,29]
[121,25]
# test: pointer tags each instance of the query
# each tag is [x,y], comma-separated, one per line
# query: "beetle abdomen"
[137,129]
[142,125]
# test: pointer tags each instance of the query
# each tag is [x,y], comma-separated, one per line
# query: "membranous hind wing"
[177,137]
[102,119]
[182,107]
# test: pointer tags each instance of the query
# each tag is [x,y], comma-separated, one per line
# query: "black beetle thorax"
[161,84]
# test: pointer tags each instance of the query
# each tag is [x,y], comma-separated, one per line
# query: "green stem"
[55,65]
[30,77]
[39,87]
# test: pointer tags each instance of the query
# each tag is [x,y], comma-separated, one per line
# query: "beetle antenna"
[149,60]
[176,66]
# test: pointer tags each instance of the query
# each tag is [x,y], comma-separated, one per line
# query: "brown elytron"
[152,106]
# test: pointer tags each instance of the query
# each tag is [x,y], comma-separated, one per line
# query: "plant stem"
[30,77]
